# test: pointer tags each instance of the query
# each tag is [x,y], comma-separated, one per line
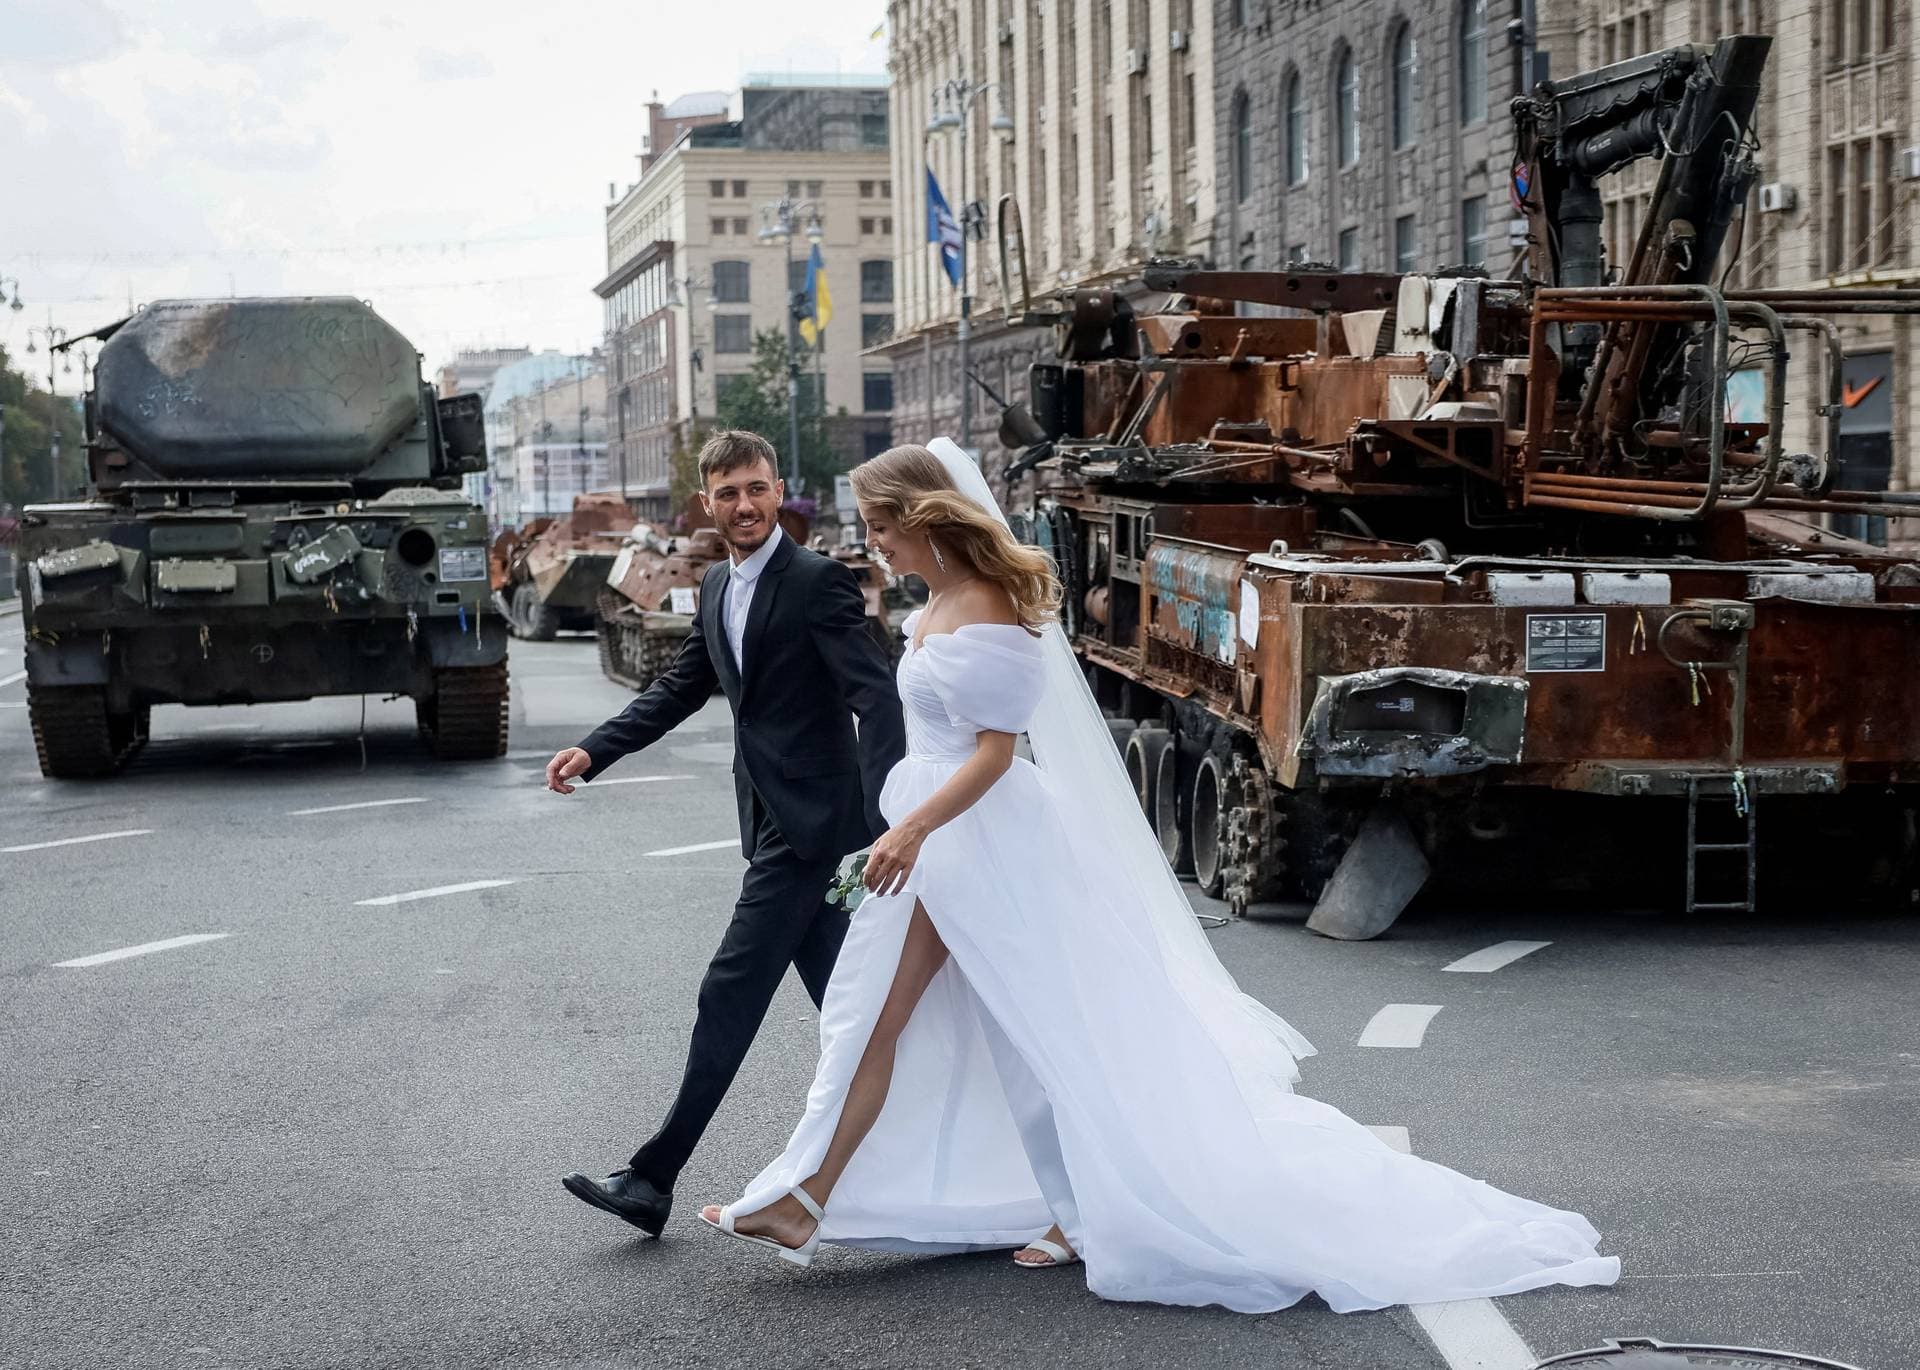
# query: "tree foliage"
[757,402]
[26,475]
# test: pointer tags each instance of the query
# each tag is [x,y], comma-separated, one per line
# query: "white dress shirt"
[742,576]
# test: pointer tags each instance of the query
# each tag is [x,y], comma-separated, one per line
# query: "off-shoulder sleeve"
[988,675]
[910,623]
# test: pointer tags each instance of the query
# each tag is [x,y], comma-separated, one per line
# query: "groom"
[783,631]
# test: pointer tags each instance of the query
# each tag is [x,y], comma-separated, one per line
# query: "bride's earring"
[938,560]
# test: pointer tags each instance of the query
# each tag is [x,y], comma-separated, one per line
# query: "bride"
[1028,1041]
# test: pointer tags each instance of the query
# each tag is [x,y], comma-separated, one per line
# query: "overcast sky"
[448,162]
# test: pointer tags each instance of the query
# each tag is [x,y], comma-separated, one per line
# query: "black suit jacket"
[812,664]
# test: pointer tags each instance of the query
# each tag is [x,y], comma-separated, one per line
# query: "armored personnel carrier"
[275,513]
[1389,574]
[645,609]
[547,576]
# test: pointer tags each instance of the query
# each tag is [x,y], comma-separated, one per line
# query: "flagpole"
[961,94]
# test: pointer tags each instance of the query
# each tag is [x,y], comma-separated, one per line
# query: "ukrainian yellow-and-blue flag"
[819,300]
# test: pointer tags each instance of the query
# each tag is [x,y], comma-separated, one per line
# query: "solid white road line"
[635,780]
[9,679]
[1399,1025]
[698,846]
[100,958]
[1498,955]
[1393,1135]
[76,841]
[1471,1334]
[342,808]
[433,893]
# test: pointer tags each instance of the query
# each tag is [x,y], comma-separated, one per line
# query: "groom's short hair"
[730,449]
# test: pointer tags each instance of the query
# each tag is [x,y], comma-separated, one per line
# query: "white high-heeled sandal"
[801,1255]
[1060,1254]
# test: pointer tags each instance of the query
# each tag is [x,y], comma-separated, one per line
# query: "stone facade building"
[1839,203]
[1371,134]
[1110,159]
[691,281]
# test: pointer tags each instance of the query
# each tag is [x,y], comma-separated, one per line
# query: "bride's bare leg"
[921,957]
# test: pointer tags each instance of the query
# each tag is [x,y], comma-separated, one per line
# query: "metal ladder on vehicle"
[1740,806]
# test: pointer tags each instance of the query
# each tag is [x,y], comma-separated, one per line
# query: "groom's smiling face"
[744,503]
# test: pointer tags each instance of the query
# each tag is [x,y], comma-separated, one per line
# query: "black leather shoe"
[626,1196]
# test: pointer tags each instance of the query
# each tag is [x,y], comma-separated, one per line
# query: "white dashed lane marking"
[342,808]
[433,893]
[697,846]
[100,958]
[1399,1025]
[1471,1334]
[1393,1135]
[77,841]
[10,679]
[1498,955]
[635,780]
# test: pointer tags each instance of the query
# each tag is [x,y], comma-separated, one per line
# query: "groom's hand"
[566,764]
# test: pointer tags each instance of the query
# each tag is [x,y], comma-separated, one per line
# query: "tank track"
[77,737]
[466,718]
[629,655]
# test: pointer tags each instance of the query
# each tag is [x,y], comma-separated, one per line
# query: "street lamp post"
[56,338]
[958,95]
[783,217]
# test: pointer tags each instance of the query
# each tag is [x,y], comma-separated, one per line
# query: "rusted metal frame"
[1215,468]
[1834,408]
[1636,340]
[1776,400]
[1546,299]
[1439,451]
[1637,499]
[1168,375]
[1736,666]
[1850,300]
[1543,385]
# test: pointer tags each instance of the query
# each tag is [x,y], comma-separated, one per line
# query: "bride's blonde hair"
[909,485]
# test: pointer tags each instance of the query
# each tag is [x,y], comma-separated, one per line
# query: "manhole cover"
[1636,1353]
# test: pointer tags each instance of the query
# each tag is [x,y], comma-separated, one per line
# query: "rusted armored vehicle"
[645,609]
[1484,577]
[547,576]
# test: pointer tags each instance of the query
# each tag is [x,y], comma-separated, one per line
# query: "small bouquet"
[849,887]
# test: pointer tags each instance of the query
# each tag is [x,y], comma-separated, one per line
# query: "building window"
[1473,230]
[886,225]
[868,227]
[875,329]
[876,282]
[739,190]
[876,392]
[873,130]
[1473,61]
[733,332]
[872,444]
[719,227]
[1296,106]
[731,283]
[1296,253]
[1403,85]
[1349,249]
[1242,146]
[793,190]
[815,189]
[1405,238]
[1346,111]
[740,228]
[1239,14]
[886,190]
[866,190]
[717,189]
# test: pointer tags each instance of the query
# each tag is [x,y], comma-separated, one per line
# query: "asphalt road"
[331,1133]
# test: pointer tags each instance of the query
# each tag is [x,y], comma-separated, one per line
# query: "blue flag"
[943,228]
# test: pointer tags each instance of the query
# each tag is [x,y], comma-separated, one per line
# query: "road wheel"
[1143,751]
[465,718]
[1171,813]
[76,735]
[532,619]
[1212,798]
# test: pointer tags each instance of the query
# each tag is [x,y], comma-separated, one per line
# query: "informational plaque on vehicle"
[680,597]
[1566,642]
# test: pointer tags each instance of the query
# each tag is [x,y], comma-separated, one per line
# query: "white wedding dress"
[1083,1058]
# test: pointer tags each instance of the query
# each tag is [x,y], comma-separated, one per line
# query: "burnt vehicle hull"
[255,535]
[548,577]
[1483,578]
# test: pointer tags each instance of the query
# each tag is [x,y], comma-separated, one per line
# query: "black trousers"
[781,919]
